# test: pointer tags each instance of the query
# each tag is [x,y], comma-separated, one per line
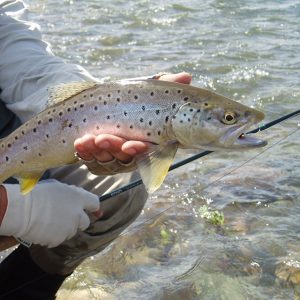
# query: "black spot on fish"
[49,112]
[84,120]
[119,91]
[54,110]
[39,122]
[166,92]
[149,133]
[185,98]
[23,132]
[40,154]
[50,120]
[47,136]
[6,158]
[151,94]
[108,95]
[118,125]
[84,96]
[34,130]
[125,113]
[70,125]
[167,119]
[206,104]
[143,108]
[198,110]
[141,120]
[136,97]
[108,117]
[16,137]
[75,102]
[184,115]
[104,102]
[189,120]
[118,99]
[209,118]
[63,141]
[174,117]
[131,126]
[99,98]
[96,108]
[157,111]
[247,114]
[181,121]
[75,108]
[129,91]
[191,110]
[61,113]
[179,91]
[25,148]
[91,95]
[97,127]
[22,162]
[174,106]
[158,132]
[8,145]
[150,123]
[69,109]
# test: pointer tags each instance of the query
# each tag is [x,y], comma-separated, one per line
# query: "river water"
[246,50]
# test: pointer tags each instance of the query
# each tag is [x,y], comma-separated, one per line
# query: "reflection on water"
[248,51]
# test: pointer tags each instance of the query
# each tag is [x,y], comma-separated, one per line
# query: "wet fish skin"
[170,115]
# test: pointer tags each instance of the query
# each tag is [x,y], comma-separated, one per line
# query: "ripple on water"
[248,51]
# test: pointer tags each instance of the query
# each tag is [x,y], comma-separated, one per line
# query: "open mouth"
[247,140]
[237,137]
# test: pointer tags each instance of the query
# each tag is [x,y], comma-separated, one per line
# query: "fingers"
[135,147]
[85,146]
[106,147]
[179,77]
[111,147]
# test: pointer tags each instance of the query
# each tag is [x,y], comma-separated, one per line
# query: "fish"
[169,115]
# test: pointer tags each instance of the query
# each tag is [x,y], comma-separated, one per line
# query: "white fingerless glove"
[51,213]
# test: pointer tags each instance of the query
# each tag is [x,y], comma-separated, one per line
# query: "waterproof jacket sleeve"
[27,65]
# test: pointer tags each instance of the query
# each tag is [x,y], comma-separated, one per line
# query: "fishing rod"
[177,165]
[194,157]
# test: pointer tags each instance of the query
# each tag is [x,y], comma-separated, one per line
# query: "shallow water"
[247,50]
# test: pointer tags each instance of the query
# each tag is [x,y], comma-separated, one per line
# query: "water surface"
[246,50]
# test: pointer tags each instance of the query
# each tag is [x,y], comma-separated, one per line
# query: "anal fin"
[28,181]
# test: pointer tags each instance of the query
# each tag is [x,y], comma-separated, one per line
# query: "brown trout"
[169,115]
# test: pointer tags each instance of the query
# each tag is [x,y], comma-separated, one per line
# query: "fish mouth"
[247,140]
[238,138]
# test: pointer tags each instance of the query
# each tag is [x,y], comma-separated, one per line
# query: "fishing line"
[204,256]
[218,179]
[174,166]
[194,157]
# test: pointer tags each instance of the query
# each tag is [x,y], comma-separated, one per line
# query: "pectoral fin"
[154,166]
[28,181]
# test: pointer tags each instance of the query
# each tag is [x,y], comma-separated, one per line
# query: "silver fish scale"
[135,111]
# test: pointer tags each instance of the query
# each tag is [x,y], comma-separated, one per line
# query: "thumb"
[91,202]
[84,222]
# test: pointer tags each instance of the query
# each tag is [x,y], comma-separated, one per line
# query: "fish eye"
[229,118]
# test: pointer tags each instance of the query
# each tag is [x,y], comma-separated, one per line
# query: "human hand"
[114,153]
[51,213]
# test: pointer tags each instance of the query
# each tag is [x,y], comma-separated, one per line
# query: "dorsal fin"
[61,92]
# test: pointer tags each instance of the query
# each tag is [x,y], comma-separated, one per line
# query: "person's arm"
[27,65]
[27,69]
